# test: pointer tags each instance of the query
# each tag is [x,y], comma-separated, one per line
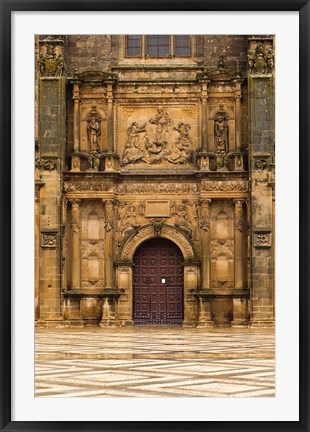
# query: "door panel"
[158,283]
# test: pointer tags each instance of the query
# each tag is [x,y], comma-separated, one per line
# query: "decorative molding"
[227,186]
[147,232]
[95,185]
[175,188]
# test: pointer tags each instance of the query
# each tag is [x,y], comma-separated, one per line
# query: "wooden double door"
[158,283]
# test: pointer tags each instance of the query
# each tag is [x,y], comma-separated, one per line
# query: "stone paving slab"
[154,362]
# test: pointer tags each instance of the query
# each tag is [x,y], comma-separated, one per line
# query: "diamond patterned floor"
[153,362]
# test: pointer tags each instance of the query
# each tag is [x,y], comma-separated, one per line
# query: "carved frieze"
[170,188]
[157,89]
[88,186]
[227,186]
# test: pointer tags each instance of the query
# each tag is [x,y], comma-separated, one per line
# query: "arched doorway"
[158,283]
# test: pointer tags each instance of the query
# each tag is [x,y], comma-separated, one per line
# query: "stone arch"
[230,113]
[147,232]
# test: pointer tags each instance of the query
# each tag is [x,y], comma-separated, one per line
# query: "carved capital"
[205,202]
[75,202]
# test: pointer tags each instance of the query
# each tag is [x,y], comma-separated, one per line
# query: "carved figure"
[251,60]
[221,131]
[181,221]
[94,132]
[221,160]
[183,151]
[156,151]
[161,120]
[130,221]
[93,158]
[269,60]
[133,152]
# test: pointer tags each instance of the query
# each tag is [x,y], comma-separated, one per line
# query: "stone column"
[239,305]
[37,251]
[76,117]
[238,115]
[76,247]
[261,152]
[110,126]
[64,243]
[205,243]
[204,114]
[109,265]
[204,317]
[238,244]
[75,163]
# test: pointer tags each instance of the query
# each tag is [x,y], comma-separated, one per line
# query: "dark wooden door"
[158,283]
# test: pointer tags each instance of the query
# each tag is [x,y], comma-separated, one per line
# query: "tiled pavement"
[155,362]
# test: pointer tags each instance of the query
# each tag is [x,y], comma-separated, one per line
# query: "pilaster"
[261,126]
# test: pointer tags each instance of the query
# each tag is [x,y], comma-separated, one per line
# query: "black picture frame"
[7,7]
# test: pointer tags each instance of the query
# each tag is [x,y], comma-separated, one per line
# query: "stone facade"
[132,149]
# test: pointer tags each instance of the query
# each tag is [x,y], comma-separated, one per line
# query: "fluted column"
[76,264]
[238,115]
[204,115]
[238,243]
[109,218]
[205,243]
[64,242]
[76,117]
[110,138]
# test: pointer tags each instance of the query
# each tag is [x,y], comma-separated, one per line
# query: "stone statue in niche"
[183,151]
[94,132]
[52,64]
[133,152]
[221,131]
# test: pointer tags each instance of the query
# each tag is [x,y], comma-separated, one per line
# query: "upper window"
[158,46]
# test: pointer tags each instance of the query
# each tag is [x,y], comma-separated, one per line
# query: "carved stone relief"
[49,240]
[230,186]
[158,188]
[167,136]
[147,233]
[262,239]
[88,186]
[51,64]
[260,57]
